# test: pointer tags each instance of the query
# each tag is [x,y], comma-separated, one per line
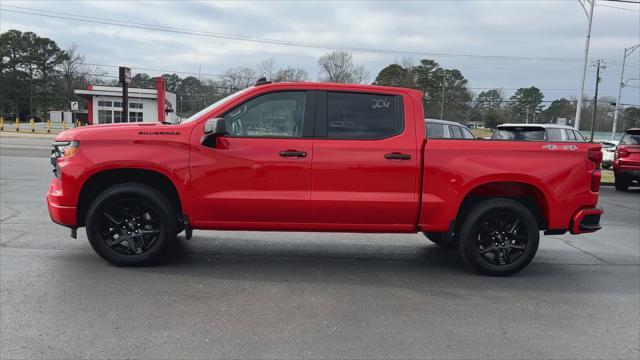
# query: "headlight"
[62,149]
[65,148]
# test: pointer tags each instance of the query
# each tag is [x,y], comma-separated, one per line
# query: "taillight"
[595,180]
[595,155]
[621,152]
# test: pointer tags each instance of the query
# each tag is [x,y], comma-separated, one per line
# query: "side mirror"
[212,129]
[215,127]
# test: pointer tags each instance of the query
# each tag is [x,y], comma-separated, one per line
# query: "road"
[298,295]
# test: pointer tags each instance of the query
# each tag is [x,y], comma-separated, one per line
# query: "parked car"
[626,163]
[134,186]
[537,132]
[444,129]
[608,150]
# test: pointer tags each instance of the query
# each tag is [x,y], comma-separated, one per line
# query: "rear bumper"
[60,214]
[586,221]
[630,172]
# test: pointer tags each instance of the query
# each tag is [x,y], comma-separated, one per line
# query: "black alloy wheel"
[498,237]
[132,224]
[129,227]
[501,238]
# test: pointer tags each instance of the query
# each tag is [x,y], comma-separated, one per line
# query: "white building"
[104,104]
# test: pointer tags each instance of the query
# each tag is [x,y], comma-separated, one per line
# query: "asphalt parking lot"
[298,295]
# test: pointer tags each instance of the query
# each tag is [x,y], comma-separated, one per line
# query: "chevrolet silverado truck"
[325,158]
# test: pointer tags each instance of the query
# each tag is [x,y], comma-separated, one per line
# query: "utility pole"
[599,65]
[444,85]
[589,14]
[627,52]
[125,80]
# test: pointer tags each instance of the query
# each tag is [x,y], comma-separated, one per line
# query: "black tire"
[494,247]
[135,209]
[622,183]
[443,240]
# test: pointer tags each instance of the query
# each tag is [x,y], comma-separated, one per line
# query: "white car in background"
[444,129]
[608,152]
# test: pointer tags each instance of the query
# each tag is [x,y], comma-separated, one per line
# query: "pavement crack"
[586,252]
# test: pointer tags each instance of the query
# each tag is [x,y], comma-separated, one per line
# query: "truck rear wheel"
[498,237]
[131,224]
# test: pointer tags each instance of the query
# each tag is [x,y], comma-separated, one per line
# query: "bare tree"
[338,66]
[76,74]
[291,74]
[267,68]
[239,78]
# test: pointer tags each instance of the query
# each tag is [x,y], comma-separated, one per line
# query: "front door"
[259,175]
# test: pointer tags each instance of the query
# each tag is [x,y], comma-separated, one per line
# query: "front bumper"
[60,214]
[586,221]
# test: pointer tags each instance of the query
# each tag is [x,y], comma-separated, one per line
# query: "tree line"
[37,76]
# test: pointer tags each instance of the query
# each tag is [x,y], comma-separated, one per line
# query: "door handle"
[293,153]
[397,156]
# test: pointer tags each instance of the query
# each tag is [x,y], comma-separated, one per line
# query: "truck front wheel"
[131,224]
[498,237]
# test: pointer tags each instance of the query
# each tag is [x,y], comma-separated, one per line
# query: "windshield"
[215,105]
[518,134]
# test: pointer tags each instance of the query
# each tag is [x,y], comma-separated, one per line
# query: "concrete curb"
[16,134]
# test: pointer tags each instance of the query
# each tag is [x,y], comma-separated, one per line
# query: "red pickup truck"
[319,157]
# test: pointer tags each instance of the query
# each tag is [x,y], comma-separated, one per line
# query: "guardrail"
[36,127]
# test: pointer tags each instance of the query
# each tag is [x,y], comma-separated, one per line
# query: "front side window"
[554,134]
[570,135]
[435,131]
[279,114]
[363,116]
[467,134]
[456,133]
[579,136]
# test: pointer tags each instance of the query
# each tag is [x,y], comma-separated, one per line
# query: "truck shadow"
[418,267]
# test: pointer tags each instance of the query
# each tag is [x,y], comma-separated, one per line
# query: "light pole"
[627,52]
[589,14]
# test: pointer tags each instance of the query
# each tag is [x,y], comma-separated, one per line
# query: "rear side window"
[554,134]
[455,132]
[519,133]
[630,139]
[363,116]
[467,134]
[435,131]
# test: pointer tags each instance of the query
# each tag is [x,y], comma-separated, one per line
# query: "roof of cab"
[446,122]
[545,126]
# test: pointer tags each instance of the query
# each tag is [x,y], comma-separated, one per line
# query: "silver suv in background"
[537,132]
[443,129]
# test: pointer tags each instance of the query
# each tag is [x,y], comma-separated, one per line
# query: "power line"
[249,38]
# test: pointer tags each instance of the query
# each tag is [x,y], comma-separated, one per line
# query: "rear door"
[365,162]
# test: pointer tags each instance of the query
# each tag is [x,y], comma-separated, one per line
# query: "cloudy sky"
[507,44]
